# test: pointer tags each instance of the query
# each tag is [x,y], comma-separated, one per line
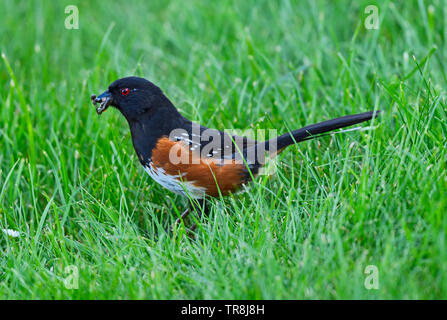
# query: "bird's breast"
[175,167]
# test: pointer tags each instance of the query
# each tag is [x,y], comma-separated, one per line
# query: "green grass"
[71,184]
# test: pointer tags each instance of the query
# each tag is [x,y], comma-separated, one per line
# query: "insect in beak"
[104,99]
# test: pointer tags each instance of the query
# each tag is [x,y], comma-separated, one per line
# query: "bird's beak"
[104,99]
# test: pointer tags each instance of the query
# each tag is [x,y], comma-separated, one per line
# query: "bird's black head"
[133,96]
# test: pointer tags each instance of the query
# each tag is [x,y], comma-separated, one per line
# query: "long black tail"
[314,130]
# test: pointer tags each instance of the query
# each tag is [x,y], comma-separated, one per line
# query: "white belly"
[174,183]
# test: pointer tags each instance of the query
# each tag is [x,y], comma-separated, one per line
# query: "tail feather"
[310,132]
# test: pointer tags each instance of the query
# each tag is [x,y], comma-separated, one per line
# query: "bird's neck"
[151,126]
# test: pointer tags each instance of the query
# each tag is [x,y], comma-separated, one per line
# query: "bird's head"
[132,96]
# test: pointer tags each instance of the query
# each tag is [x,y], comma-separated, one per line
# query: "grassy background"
[72,186]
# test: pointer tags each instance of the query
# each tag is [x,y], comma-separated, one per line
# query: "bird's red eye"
[125,91]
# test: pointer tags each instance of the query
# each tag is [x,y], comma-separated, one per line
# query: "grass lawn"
[72,186]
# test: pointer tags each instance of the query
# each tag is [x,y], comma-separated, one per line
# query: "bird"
[190,159]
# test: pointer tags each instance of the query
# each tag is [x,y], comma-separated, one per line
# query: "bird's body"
[187,158]
[190,159]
